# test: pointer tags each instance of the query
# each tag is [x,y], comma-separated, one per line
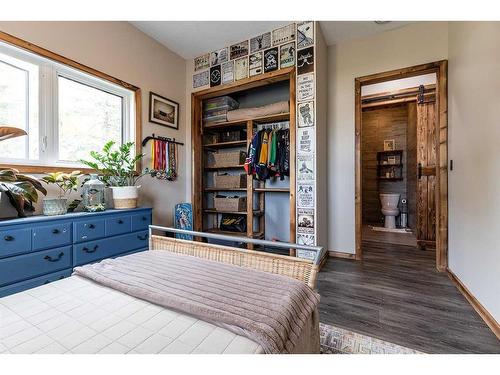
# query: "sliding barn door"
[426,174]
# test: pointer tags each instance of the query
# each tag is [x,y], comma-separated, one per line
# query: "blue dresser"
[41,249]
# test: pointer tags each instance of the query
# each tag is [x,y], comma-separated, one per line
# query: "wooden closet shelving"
[254,191]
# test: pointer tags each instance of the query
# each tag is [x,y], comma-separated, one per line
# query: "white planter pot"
[54,206]
[125,196]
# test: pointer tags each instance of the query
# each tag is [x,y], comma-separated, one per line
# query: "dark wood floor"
[396,294]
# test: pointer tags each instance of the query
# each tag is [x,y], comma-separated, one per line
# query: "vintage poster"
[307,254]
[215,76]
[305,220]
[305,60]
[255,63]
[284,34]
[241,68]
[305,195]
[201,79]
[183,214]
[271,59]
[202,62]
[306,140]
[218,57]
[306,239]
[227,72]
[305,87]
[238,50]
[305,112]
[305,167]
[260,42]
[305,34]
[287,55]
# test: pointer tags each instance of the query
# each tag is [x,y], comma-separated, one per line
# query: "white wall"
[474,146]
[411,45]
[124,52]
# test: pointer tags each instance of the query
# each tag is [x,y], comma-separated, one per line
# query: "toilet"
[390,208]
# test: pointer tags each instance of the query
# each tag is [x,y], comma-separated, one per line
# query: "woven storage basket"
[226,159]
[230,182]
[230,204]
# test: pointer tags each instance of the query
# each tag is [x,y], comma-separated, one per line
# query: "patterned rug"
[335,340]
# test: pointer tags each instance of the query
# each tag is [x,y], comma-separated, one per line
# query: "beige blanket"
[266,110]
[272,310]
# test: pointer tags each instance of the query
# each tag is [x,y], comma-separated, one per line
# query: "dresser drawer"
[108,247]
[15,241]
[140,222]
[88,230]
[118,225]
[35,264]
[33,283]
[51,236]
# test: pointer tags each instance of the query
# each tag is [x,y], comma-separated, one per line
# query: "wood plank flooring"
[396,294]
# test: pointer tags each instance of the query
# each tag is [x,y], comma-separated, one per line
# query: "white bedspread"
[75,315]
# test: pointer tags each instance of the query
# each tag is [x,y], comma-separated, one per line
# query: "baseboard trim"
[339,254]
[480,309]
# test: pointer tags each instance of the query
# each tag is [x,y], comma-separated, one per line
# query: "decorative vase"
[54,206]
[125,196]
[93,195]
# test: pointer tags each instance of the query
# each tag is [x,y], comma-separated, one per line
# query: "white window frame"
[48,114]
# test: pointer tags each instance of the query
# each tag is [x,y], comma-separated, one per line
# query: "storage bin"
[221,101]
[225,159]
[233,135]
[230,204]
[225,181]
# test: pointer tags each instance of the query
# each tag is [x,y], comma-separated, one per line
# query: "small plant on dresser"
[66,183]
[117,166]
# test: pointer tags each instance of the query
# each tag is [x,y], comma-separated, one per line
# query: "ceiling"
[193,38]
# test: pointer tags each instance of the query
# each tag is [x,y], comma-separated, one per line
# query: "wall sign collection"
[291,45]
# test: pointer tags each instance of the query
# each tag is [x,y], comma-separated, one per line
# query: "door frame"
[440,68]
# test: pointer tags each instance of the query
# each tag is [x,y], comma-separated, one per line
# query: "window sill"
[41,169]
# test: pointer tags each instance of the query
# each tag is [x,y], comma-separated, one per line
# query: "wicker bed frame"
[301,269]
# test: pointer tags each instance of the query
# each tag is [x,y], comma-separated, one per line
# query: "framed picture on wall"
[389,145]
[163,111]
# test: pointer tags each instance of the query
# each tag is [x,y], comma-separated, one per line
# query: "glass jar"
[93,195]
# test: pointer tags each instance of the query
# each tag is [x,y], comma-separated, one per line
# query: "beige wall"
[414,44]
[122,51]
[474,147]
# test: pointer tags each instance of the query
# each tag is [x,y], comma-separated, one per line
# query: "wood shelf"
[390,165]
[229,167]
[390,178]
[226,144]
[236,234]
[242,123]
[214,211]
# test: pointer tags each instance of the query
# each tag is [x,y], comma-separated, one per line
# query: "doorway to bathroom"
[401,159]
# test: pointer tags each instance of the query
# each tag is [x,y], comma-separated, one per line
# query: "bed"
[111,307]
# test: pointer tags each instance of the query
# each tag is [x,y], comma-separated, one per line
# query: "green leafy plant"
[66,182]
[21,190]
[116,165]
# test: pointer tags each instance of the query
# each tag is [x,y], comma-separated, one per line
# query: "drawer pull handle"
[120,221]
[91,226]
[142,238]
[87,250]
[50,259]
[8,238]
[144,218]
[56,231]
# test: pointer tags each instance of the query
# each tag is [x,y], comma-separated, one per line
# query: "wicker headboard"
[301,269]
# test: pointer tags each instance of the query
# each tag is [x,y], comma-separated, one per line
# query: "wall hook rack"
[159,138]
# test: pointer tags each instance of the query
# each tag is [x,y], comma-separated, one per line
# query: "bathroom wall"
[124,52]
[378,125]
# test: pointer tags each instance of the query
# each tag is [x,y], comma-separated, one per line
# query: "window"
[66,112]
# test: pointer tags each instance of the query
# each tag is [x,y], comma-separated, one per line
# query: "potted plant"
[117,167]
[66,182]
[21,190]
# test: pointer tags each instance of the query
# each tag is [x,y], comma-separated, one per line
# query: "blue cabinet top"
[70,216]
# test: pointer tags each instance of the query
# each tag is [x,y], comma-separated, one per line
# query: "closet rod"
[159,138]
